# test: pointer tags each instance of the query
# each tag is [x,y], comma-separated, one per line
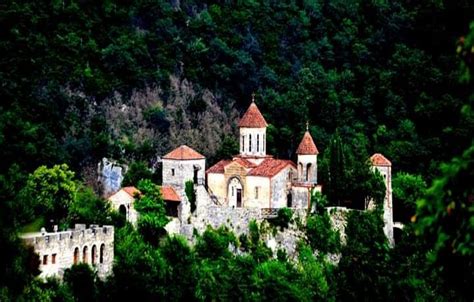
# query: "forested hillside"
[129,80]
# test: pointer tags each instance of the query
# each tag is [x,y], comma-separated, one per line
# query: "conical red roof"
[253,118]
[183,152]
[307,145]
[379,160]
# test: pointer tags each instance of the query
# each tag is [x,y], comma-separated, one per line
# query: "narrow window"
[258,142]
[232,191]
[263,144]
[172,172]
[76,255]
[250,142]
[45,259]
[93,254]
[101,257]
[53,259]
[242,143]
[84,254]
[256,192]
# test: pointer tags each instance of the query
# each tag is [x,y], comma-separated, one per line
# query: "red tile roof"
[219,167]
[244,162]
[307,145]
[169,194]
[270,167]
[253,118]
[183,152]
[132,191]
[379,160]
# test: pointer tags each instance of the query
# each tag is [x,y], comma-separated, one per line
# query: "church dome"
[252,118]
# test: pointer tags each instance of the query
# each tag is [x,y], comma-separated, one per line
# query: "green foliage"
[190,194]
[445,220]
[283,219]
[82,281]
[52,190]
[214,244]
[407,189]
[88,208]
[314,274]
[363,271]
[137,171]
[140,270]
[150,206]
[321,235]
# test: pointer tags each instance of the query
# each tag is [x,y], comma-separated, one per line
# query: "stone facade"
[255,179]
[58,251]
[123,202]
[177,172]
[110,176]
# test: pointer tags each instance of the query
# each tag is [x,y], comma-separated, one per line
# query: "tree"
[150,206]
[137,171]
[407,189]
[337,176]
[82,281]
[190,194]
[53,190]
[88,208]
[445,219]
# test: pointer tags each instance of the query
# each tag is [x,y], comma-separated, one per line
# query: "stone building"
[384,166]
[58,251]
[183,164]
[255,179]
[122,201]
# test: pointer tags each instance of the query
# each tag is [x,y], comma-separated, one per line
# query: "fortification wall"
[60,250]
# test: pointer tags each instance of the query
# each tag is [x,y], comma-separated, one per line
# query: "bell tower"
[307,159]
[253,129]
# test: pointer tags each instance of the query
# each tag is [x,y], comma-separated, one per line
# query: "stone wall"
[110,176]
[60,250]
[183,171]
[280,185]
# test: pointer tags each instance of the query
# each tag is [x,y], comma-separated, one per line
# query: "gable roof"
[252,118]
[270,167]
[169,194]
[132,191]
[219,167]
[307,145]
[379,160]
[184,152]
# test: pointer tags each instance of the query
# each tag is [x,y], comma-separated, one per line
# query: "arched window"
[263,143]
[84,254]
[300,171]
[93,254]
[308,172]
[250,142]
[102,251]
[243,143]
[76,255]
[258,142]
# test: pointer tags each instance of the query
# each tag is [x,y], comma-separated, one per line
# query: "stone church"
[255,179]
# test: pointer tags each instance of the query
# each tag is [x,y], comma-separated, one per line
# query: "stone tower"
[384,166]
[307,159]
[253,129]
[183,164]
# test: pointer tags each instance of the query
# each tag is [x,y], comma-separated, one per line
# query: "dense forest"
[129,80]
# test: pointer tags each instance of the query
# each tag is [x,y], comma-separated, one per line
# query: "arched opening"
[102,251]
[93,254]
[84,254]
[234,193]
[300,171]
[308,172]
[123,211]
[195,175]
[289,200]
[76,255]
